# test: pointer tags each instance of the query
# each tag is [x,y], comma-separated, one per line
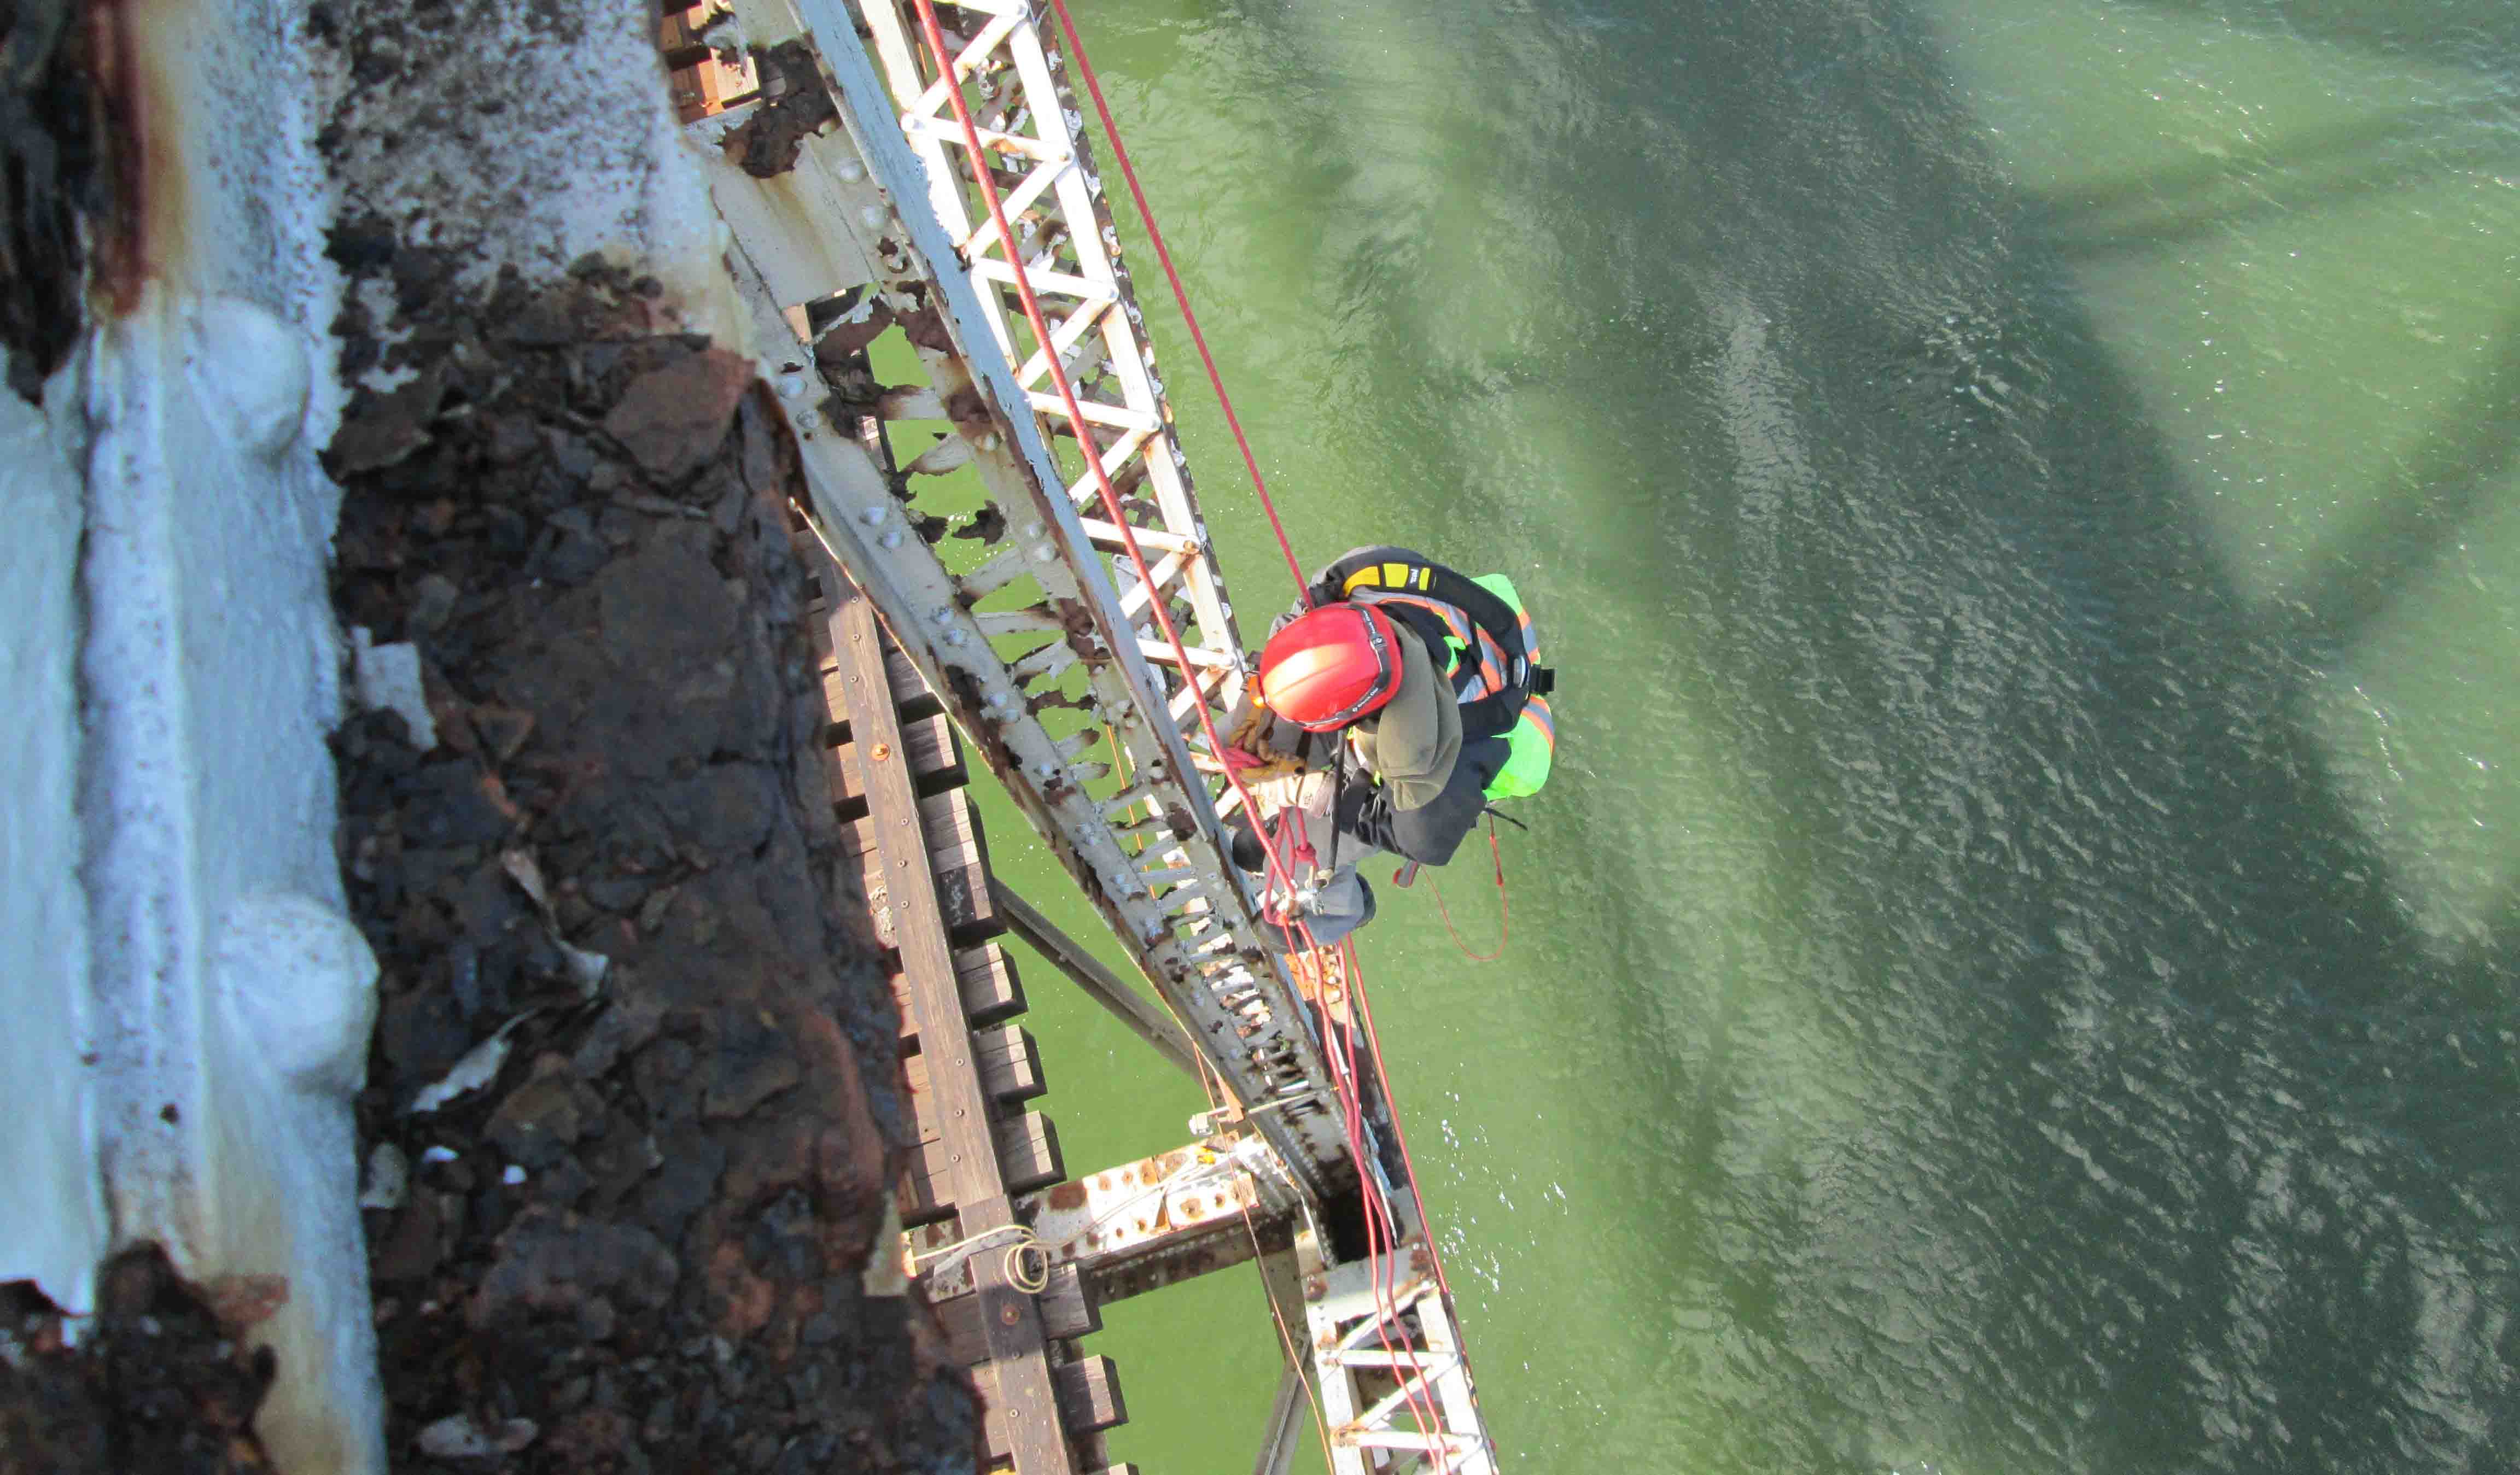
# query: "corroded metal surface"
[1059,637]
[1162,883]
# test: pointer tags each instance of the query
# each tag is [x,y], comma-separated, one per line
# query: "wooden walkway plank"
[935,762]
[1067,1313]
[1027,1153]
[1088,1399]
[957,874]
[910,695]
[1010,1064]
[986,978]
[969,1174]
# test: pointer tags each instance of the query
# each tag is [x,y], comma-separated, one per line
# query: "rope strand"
[1180,295]
[1504,906]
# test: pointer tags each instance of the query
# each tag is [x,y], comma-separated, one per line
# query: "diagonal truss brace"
[1388,1320]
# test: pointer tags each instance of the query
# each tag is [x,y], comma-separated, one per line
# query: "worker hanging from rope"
[1392,712]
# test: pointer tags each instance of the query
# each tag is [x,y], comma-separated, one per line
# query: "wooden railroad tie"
[896,773]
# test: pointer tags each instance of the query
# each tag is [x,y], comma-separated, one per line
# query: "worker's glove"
[1261,744]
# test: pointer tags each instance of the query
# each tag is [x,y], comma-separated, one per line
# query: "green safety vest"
[1493,655]
[1533,740]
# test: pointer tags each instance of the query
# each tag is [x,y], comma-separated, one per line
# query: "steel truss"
[877,214]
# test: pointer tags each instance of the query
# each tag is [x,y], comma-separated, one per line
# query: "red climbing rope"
[1381,1227]
[1504,906]
[1163,254]
[934,36]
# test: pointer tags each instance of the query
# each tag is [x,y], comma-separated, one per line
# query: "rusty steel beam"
[1146,1225]
[1150,858]
[883,206]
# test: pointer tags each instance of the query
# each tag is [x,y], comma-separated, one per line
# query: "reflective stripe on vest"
[1491,676]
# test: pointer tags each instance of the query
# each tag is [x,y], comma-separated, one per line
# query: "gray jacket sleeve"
[1430,833]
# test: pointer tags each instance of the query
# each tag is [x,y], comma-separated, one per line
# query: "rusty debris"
[766,144]
[163,1378]
[51,159]
[637,1238]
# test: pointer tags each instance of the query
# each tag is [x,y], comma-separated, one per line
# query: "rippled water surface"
[2016,969]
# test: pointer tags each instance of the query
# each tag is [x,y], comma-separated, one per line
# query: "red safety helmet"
[1330,666]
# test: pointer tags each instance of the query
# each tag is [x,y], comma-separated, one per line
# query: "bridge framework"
[858,204]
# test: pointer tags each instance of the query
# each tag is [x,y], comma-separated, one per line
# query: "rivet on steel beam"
[942,614]
[1007,1315]
[873,517]
[881,751]
[953,638]
[872,215]
[890,539]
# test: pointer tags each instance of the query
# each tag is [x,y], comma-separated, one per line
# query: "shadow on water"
[2308,172]
[2233,1143]
[2195,1162]
[2455,475]
[2482,34]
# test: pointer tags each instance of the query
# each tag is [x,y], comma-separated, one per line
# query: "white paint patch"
[580,153]
[388,681]
[478,1068]
[252,371]
[299,981]
[52,1218]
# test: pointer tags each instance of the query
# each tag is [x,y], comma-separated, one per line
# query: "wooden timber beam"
[1026,1406]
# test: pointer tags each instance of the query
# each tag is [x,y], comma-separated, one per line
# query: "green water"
[2015,969]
